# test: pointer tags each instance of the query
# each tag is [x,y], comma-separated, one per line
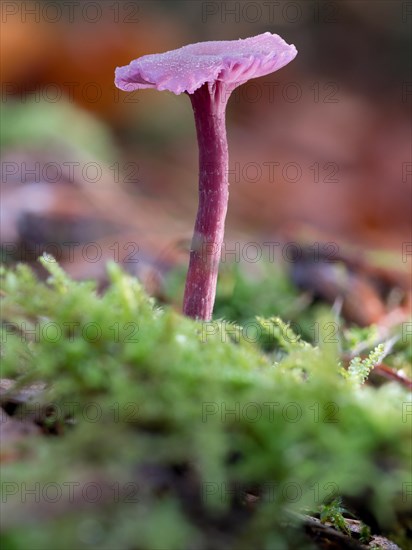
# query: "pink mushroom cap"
[188,68]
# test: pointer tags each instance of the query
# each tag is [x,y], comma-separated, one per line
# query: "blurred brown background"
[323,145]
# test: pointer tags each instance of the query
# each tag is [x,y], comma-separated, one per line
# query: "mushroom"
[208,72]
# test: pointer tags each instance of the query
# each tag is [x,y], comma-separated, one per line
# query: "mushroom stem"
[209,107]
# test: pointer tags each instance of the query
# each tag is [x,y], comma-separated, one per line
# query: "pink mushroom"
[208,72]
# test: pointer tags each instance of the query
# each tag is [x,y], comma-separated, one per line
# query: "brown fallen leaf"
[13,435]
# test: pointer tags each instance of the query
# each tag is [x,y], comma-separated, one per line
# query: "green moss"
[177,421]
[333,513]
